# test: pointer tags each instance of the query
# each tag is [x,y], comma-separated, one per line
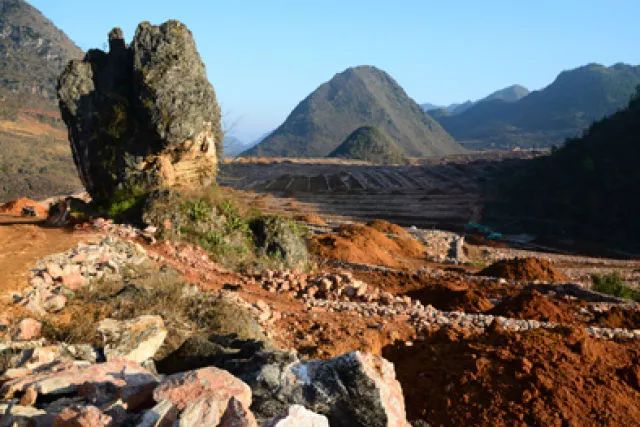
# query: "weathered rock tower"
[141,117]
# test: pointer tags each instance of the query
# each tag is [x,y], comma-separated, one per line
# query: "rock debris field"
[133,371]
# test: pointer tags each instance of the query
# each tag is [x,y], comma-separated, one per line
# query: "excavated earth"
[533,378]
[558,369]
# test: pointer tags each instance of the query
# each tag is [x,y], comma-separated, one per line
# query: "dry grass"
[150,290]
[35,160]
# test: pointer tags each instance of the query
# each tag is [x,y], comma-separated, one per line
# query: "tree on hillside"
[586,189]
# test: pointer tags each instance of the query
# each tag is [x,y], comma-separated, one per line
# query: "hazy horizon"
[264,62]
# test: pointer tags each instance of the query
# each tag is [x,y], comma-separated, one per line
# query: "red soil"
[389,228]
[364,244]
[524,269]
[533,305]
[535,378]
[618,317]
[15,207]
[452,297]
[448,292]
[312,219]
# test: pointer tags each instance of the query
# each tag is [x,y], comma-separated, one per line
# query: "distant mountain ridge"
[511,93]
[546,117]
[359,96]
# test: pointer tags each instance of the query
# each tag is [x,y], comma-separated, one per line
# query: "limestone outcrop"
[141,116]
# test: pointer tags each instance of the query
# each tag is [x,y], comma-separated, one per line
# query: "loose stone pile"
[441,246]
[428,317]
[341,292]
[124,231]
[340,286]
[56,275]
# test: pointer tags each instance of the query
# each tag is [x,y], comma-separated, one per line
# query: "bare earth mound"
[618,317]
[534,305]
[389,228]
[452,297]
[534,378]
[363,244]
[524,269]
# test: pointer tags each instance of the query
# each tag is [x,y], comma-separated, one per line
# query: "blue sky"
[264,56]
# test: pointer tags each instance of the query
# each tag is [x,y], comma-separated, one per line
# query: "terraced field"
[444,192]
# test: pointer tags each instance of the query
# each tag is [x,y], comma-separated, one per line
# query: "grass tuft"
[612,284]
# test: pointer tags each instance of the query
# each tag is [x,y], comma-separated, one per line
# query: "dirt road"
[23,242]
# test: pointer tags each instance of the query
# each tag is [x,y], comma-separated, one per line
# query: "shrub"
[236,235]
[612,284]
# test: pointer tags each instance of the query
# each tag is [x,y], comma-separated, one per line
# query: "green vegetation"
[370,144]
[612,284]
[117,121]
[281,240]
[359,96]
[126,203]
[235,235]
[545,117]
[218,228]
[586,189]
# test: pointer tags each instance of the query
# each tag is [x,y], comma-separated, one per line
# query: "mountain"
[359,96]
[33,51]
[35,158]
[427,106]
[587,189]
[459,108]
[233,146]
[371,144]
[508,94]
[546,117]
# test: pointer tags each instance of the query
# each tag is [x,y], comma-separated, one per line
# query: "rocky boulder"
[355,389]
[19,358]
[118,377]
[142,116]
[28,329]
[164,413]
[136,339]
[202,395]
[83,416]
[236,415]
[298,416]
[281,238]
